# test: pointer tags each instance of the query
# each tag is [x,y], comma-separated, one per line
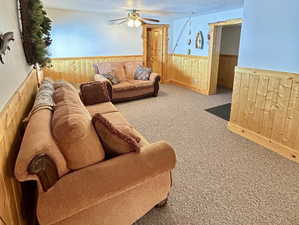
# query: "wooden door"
[155,46]
[155,49]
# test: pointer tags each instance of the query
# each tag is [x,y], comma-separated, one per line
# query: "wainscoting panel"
[79,70]
[226,71]
[189,71]
[10,138]
[265,109]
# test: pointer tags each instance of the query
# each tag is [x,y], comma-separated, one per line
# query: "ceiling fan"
[134,19]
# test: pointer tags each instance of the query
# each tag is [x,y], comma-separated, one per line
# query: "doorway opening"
[155,48]
[228,59]
[224,40]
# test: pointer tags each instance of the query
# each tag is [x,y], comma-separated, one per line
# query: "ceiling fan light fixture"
[134,23]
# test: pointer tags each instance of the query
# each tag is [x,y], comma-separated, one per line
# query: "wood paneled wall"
[79,70]
[10,138]
[226,71]
[189,71]
[265,109]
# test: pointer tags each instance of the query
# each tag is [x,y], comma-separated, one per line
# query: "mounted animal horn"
[4,42]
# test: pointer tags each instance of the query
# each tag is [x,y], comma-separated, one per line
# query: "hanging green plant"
[36,32]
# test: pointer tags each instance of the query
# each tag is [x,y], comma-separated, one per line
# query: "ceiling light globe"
[137,23]
[131,23]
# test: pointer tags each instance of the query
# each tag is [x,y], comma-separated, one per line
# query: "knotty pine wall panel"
[10,138]
[79,70]
[188,71]
[265,109]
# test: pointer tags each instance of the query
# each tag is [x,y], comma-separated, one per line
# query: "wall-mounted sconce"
[4,42]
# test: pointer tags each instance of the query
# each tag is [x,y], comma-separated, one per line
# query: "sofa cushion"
[116,118]
[132,93]
[37,140]
[114,140]
[65,84]
[102,108]
[142,73]
[111,77]
[131,68]
[94,92]
[65,95]
[75,134]
[116,68]
[123,86]
[141,83]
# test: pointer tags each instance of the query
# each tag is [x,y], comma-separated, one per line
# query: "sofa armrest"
[45,169]
[107,179]
[155,78]
[94,92]
[101,78]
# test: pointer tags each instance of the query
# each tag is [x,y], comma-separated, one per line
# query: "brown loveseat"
[128,88]
[113,191]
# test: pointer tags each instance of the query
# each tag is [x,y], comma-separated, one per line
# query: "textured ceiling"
[170,8]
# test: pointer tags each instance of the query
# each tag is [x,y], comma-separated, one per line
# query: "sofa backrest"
[123,70]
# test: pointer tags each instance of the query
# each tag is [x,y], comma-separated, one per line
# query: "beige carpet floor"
[220,178]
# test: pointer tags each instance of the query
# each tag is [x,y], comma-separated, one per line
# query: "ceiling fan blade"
[122,22]
[164,12]
[142,21]
[150,19]
[124,18]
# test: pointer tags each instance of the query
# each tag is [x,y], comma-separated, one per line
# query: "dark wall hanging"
[199,40]
[4,44]
[35,31]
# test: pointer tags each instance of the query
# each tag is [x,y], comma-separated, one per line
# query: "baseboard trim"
[274,146]
[192,88]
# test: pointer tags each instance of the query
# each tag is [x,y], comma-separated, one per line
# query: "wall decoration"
[199,40]
[190,35]
[4,42]
[35,30]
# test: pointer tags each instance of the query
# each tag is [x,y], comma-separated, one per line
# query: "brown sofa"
[128,88]
[115,191]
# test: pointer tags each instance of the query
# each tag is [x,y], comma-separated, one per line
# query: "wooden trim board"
[279,148]
[192,88]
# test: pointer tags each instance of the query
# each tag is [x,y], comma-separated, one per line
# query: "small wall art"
[199,41]
[5,39]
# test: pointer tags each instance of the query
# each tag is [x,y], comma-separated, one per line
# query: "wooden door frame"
[164,28]
[214,52]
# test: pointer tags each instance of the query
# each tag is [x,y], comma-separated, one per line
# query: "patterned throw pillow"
[142,73]
[116,140]
[113,79]
[44,98]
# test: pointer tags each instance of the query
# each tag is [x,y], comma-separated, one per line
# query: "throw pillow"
[43,99]
[94,92]
[75,135]
[114,140]
[142,73]
[64,95]
[113,79]
[62,83]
